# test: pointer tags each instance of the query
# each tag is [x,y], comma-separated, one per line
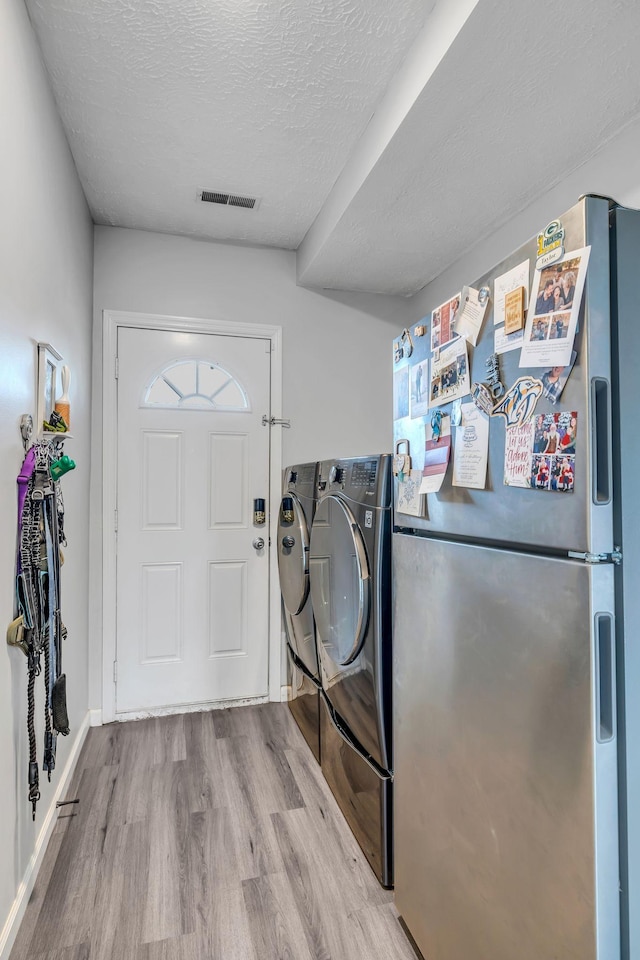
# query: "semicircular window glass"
[196,385]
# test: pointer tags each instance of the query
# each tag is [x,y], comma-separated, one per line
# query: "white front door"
[192,589]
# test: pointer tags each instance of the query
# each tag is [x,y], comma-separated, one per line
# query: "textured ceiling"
[260,97]
[384,139]
[517,103]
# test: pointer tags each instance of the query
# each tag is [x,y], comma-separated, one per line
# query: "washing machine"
[297,508]
[350,573]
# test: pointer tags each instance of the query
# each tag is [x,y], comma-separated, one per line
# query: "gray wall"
[45,294]
[336,347]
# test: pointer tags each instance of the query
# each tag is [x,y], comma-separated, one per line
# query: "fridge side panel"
[505,804]
[546,520]
[627,525]
[597,350]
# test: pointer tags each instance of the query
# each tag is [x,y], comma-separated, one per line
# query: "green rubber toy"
[60,467]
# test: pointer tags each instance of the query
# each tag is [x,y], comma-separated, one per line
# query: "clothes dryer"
[350,573]
[297,508]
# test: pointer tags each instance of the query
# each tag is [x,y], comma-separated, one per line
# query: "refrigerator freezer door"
[506,838]
[580,520]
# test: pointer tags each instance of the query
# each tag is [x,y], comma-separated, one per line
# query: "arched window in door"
[196,385]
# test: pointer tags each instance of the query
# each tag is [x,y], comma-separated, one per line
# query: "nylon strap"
[38,594]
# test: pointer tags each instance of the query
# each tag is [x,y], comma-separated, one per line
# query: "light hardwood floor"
[205,836]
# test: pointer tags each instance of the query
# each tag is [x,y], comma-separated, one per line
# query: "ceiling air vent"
[228,199]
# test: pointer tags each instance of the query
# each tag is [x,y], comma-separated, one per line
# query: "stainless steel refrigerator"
[517,658]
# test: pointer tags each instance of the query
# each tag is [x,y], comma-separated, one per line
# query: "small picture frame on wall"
[48,362]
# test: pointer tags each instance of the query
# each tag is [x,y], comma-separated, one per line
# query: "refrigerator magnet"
[407,343]
[513,280]
[436,425]
[514,310]
[517,277]
[401,461]
[481,396]
[550,245]
[519,402]
[493,376]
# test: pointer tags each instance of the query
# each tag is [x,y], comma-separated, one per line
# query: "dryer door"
[293,554]
[340,585]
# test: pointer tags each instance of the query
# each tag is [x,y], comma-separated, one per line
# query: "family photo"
[557,286]
[555,473]
[555,433]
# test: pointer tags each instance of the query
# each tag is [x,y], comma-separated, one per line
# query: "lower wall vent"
[228,199]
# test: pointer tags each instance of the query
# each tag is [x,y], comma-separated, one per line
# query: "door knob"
[258,543]
[288,542]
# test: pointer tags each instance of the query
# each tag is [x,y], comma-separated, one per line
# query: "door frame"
[112,320]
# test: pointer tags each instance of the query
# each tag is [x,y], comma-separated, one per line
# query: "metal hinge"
[268,421]
[614,557]
[115,671]
[117,368]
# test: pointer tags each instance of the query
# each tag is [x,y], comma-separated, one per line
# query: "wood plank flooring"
[205,836]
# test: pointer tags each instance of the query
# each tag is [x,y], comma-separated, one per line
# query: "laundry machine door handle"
[364,594]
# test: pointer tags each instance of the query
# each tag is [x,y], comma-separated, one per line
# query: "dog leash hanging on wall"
[38,629]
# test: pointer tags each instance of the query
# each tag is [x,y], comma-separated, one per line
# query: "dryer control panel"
[364,474]
[363,479]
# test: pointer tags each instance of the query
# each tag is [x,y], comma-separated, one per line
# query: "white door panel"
[192,592]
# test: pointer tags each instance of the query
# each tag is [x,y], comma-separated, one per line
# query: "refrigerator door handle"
[605,677]
[601,440]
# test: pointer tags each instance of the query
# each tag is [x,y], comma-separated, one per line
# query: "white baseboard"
[285,694]
[10,929]
[188,708]
[95,718]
